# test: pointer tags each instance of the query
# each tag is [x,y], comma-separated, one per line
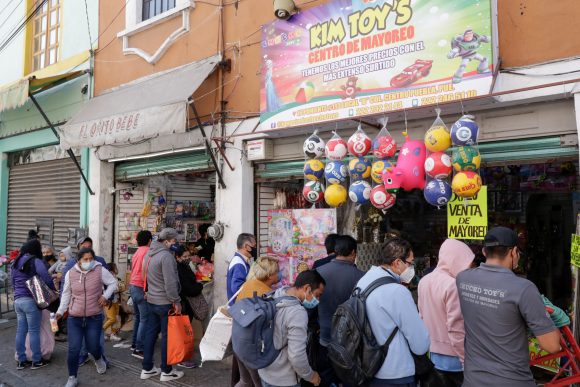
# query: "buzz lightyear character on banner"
[465,46]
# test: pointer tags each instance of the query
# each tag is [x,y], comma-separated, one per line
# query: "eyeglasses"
[408,263]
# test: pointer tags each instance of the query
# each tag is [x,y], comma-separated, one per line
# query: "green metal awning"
[135,169]
[511,151]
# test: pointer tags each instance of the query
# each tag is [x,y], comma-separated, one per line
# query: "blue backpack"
[253,330]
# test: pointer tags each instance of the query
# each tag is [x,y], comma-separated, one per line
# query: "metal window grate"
[153,8]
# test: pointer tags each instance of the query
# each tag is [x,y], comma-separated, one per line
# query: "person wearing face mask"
[498,308]
[48,256]
[391,306]
[341,276]
[239,266]
[264,273]
[290,332]
[84,298]
[162,290]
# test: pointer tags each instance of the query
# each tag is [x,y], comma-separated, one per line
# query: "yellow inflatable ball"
[378,169]
[466,184]
[313,169]
[335,195]
[437,139]
[359,168]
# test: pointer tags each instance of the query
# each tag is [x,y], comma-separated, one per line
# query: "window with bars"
[45,35]
[153,8]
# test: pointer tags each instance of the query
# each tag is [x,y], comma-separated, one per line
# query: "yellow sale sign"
[467,218]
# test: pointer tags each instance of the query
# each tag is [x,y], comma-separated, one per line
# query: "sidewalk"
[124,371]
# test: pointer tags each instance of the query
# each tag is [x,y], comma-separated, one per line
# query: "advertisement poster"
[575,250]
[552,365]
[467,218]
[351,58]
[297,237]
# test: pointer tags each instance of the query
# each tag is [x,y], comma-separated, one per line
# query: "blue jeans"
[87,329]
[156,322]
[140,315]
[101,343]
[28,318]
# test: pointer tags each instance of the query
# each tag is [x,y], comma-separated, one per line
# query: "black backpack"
[353,350]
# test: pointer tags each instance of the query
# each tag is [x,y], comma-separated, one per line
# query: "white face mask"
[408,274]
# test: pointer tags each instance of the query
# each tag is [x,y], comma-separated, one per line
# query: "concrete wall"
[75,33]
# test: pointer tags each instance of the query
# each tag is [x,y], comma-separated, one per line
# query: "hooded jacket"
[439,299]
[24,268]
[160,267]
[290,334]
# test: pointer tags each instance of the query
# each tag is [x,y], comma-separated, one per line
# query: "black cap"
[500,236]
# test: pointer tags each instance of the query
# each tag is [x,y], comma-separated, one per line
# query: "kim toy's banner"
[351,58]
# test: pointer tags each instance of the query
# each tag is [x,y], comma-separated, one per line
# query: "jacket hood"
[286,300]
[77,268]
[454,257]
[20,262]
[68,254]
[157,247]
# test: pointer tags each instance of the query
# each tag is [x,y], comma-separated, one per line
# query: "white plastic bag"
[215,344]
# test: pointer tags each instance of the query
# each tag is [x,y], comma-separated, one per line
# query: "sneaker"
[83,360]
[173,375]
[101,366]
[137,354]
[39,364]
[149,374]
[20,365]
[72,382]
[133,347]
[188,364]
[115,338]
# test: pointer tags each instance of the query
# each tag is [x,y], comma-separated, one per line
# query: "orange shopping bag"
[179,338]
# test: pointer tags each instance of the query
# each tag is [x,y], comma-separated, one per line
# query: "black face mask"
[254,252]
[49,257]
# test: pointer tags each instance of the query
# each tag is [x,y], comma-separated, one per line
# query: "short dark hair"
[85,250]
[497,251]
[179,251]
[309,277]
[32,234]
[345,245]
[330,243]
[395,248]
[243,238]
[144,237]
[32,247]
[203,228]
[112,266]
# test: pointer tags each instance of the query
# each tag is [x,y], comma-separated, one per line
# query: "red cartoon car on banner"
[413,73]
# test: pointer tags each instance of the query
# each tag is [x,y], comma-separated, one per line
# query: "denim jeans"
[140,315]
[156,322]
[28,318]
[84,350]
[87,329]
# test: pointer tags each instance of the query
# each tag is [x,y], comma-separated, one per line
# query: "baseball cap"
[500,236]
[167,233]
[84,239]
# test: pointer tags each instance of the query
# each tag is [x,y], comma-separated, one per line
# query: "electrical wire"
[6,7]
[19,29]
[109,25]
[540,75]
[88,26]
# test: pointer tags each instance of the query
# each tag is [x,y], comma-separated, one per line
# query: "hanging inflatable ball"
[437,139]
[437,192]
[360,192]
[377,170]
[465,131]
[359,144]
[466,158]
[335,195]
[313,169]
[438,165]
[336,149]
[313,147]
[384,147]
[313,191]
[335,172]
[466,184]
[359,169]
[382,199]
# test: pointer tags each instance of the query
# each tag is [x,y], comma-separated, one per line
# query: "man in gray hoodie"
[162,294]
[290,332]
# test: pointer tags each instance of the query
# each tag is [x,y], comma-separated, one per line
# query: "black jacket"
[189,286]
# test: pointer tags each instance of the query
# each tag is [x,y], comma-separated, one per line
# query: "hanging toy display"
[410,170]
[313,169]
[378,168]
[359,144]
[438,165]
[384,145]
[382,199]
[313,146]
[336,148]
[313,191]
[466,158]
[335,172]
[359,168]
[360,192]
[466,184]
[437,192]
[437,138]
[465,131]
[335,195]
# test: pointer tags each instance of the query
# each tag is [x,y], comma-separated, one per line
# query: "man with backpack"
[289,336]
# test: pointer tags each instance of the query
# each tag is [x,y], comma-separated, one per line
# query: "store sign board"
[467,218]
[575,250]
[351,58]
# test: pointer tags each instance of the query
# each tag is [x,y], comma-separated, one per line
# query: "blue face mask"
[86,266]
[174,247]
[310,304]
[280,276]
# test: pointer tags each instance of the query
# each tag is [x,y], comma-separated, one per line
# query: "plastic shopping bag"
[215,344]
[179,339]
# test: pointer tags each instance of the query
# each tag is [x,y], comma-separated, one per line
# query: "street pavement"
[124,370]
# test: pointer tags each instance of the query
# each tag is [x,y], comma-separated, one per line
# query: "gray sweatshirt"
[290,334]
[162,278]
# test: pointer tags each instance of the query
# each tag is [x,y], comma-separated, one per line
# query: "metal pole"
[69,151]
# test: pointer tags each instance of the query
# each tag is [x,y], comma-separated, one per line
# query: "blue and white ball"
[360,192]
[335,172]
[464,131]
[438,193]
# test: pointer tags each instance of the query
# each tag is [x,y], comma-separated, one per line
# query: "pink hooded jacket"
[439,299]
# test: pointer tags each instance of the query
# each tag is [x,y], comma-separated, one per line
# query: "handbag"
[41,293]
[179,338]
[215,344]
[199,307]
[423,365]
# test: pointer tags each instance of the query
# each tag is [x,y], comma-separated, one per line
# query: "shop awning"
[138,169]
[138,110]
[15,94]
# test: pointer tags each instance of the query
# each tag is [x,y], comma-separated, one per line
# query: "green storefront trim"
[84,218]
[135,169]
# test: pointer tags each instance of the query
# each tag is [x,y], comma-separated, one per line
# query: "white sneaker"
[149,374]
[101,366]
[115,338]
[72,382]
[173,375]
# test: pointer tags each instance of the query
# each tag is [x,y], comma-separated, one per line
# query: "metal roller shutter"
[45,190]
